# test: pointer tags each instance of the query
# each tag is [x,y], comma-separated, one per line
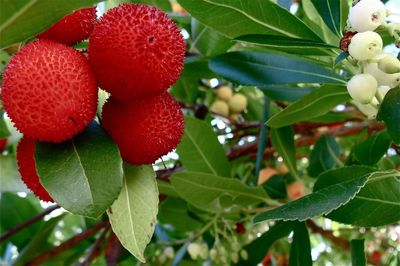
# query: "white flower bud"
[365,45]
[367,15]
[362,88]
[368,109]
[382,91]
[194,250]
[204,251]
[389,64]
[384,79]
[169,252]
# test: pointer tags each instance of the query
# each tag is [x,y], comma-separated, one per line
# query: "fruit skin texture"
[144,130]
[362,88]
[224,93]
[72,28]
[136,51]
[27,168]
[365,45]
[49,91]
[367,15]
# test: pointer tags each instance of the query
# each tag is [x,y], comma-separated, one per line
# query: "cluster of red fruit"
[50,90]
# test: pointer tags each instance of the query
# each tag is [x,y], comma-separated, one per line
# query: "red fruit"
[136,51]
[27,168]
[3,144]
[49,91]
[73,28]
[144,130]
[240,229]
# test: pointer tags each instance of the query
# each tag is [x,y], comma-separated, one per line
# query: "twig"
[113,250]
[28,222]
[67,244]
[95,250]
[344,244]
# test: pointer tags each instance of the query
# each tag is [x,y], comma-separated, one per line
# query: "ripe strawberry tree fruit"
[121,122]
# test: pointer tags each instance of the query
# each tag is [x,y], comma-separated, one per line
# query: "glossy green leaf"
[208,41]
[371,151]
[216,194]
[21,19]
[324,156]
[330,11]
[133,214]
[165,188]
[389,112]
[276,187]
[261,245]
[250,17]
[83,175]
[286,93]
[260,69]
[357,252]
[377,203]
[173,211]
[289,45]
[283,141]
[317,103]
[322,201]
[300,250]
[200,150]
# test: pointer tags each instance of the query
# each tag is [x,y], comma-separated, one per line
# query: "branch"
[343,243]
[67,244]
[95,250]
[113,250]
[28,222]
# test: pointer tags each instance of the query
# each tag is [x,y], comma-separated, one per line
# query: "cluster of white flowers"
[380,72]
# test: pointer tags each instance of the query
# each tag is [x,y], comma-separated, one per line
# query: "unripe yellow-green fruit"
[238,103]
[362,88]
[220,107]
[224,93]
[389,64]
[384,79]
[234,116]
[365,45]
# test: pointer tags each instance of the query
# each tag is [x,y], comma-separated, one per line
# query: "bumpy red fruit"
[49,91]
[136,51]
[72,28]
[144,130]
[27,168]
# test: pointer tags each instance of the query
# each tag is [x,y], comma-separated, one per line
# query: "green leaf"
[289,45]
[208,41]
[16,210]
[317,103]
[173,211]
[133,214]
[21,19]
[39,242]
[324,156]
[389,112]
[165,188]
[377,203]
[83,175]
[357,252]
[216,194]
[200,150]
[371,151]
[300,250]
[322,201]
[276,187]
[260,69]
[286,93]
[4,132]
[261,245]
[10,179]
[283,141]
[330,12]
[233,18]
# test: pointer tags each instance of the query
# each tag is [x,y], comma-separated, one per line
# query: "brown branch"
[342,243]
[113,250]
[67,244]
[28,222]
[95,250]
